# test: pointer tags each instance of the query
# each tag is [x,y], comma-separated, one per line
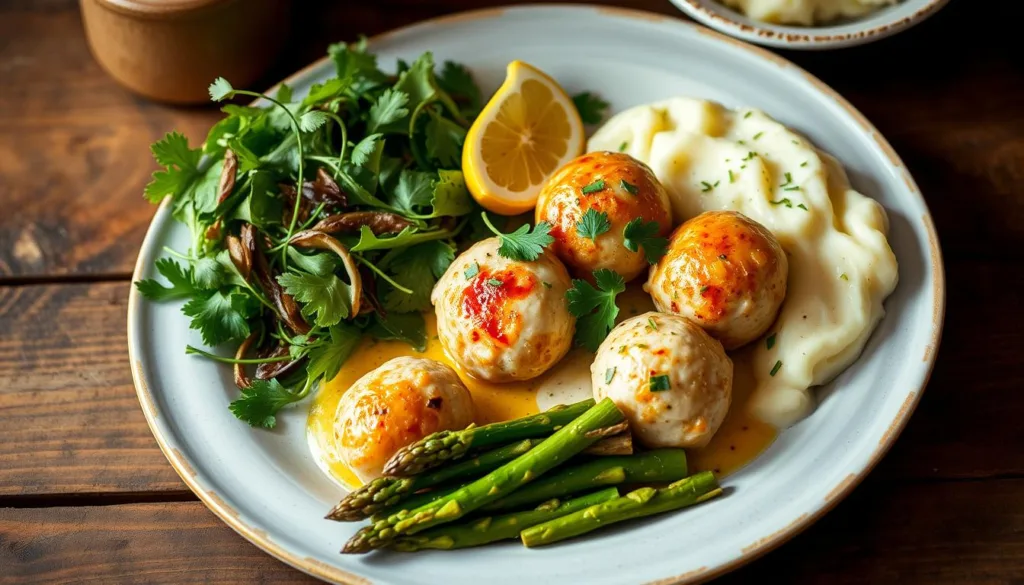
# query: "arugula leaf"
[414,189]
[325,296]
[591,107]
[207,274]
[522,245]
[181,166]
[366,148]
[444,140]
[417,268]
[326,360]
[219,316]
[407,237]
[637,234]
[592,224]
[408,327]
[179,277]
[261,401]
[594,308]
[451,197]
[458,82]
[389,109]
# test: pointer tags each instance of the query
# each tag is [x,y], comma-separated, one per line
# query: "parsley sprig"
[524,244]
[638,234]
[594,308]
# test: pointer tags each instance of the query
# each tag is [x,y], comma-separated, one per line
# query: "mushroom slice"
[379,222]
[241,378]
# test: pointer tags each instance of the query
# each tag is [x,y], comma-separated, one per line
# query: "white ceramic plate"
[266,486]
[855,31]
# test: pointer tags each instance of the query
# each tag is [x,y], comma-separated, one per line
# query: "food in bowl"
[806,12]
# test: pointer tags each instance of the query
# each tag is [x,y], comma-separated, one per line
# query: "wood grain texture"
[74,424]
[71,422]
[948,533]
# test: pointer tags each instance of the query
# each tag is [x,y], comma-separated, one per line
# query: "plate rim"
[811,38]
[180,462]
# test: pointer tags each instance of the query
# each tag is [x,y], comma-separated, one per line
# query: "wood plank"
[71,420]
[74,146]
[955,532]
[73,423]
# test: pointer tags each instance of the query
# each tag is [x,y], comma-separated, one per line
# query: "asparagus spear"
[601,447]
[491,529]
[434,449]
[559,447]
[636,504]
[386,491]
[661,465]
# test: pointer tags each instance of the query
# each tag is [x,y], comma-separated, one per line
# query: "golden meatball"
[724,271]
[502,320]
[615,185]
[400,402]
[672,381]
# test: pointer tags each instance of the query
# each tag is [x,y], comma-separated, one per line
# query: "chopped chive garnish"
[629,187]
[546,284]
[623,146]
[802,206]
[472,271]
[594,187]
[716,183]
[803,164]
[659,383]
[494,282]
[844,277]
[775,370]
[770,342]
[747,115]
[652,324]
[758,135]
[785,202]
[608,375]
[789,179]
[732,178]
[742,141]
[793,188]
[707,186]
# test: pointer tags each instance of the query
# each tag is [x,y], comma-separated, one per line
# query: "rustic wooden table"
[85,494]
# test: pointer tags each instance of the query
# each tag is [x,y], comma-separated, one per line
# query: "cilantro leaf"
[420,84]
[417,268]
[408,327]
[637,234]
[444,140]
[591,107]
[355,66]
[178,276]
[326,360]
[221,89]
[389,109]
[458,82]
[219,316]
[261,401]
[181,166]
[592,224]
[312,120]
[321,263]
[207,274]
[414,189]
[522,245]
[325,296]
[366,148]
[594,308]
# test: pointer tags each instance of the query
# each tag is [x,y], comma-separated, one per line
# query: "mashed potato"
[841,267]
[805,12]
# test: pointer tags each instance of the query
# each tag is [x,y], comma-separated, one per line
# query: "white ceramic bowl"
[267,486]
[871,27]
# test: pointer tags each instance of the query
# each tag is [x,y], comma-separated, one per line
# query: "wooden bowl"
[171,50]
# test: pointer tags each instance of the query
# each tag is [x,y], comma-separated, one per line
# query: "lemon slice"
[527,130]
